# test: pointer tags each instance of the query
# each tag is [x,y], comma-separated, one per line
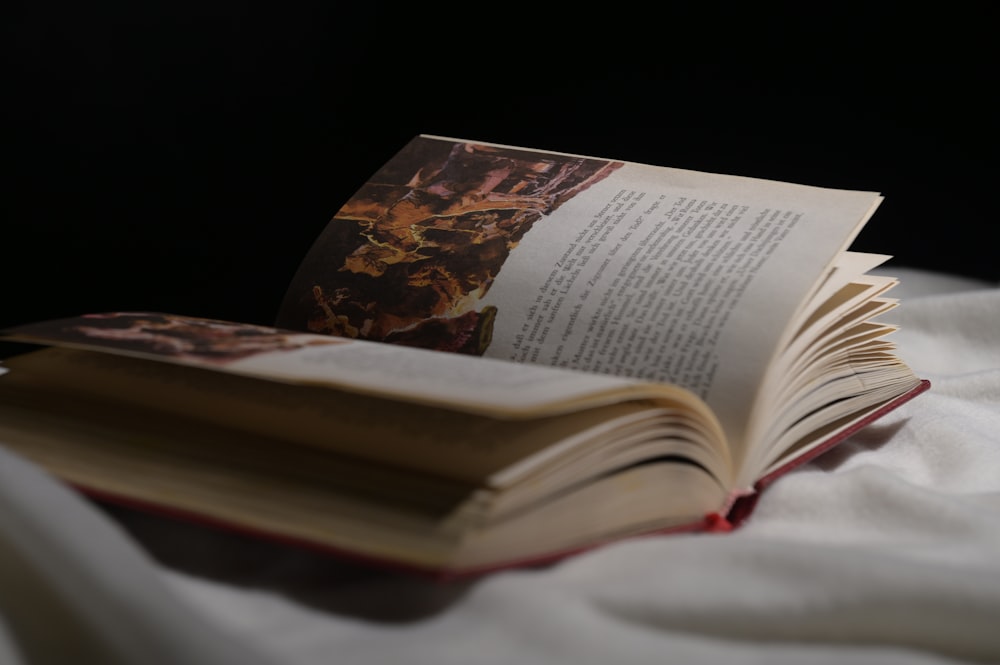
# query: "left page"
[458,382]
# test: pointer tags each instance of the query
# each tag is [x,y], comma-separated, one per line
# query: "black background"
[183,156]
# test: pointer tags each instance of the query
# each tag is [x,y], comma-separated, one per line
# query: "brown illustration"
[173,335]
[410,256]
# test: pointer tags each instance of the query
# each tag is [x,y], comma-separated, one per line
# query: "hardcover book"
[491,356]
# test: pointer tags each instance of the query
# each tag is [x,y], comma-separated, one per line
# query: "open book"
[491,356]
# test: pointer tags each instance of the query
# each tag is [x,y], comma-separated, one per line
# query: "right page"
[592,264]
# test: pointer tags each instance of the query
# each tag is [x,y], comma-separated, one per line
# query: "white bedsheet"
[886,550]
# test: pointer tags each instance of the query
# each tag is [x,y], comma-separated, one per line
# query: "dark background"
[183,156]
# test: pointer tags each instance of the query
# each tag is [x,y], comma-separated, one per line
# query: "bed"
[884,550]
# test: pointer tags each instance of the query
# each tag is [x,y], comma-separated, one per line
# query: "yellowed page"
[370,511]
[458,444]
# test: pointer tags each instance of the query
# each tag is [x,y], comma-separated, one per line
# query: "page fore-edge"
[739,510]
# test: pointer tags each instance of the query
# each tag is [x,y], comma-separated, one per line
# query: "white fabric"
[886,550]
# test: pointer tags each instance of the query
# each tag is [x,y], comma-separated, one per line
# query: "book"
[491,356]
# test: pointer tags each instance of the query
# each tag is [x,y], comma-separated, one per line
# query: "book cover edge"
[743,505]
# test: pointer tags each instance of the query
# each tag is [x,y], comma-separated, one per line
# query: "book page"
[461,445]
[599,265]
[491,387]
